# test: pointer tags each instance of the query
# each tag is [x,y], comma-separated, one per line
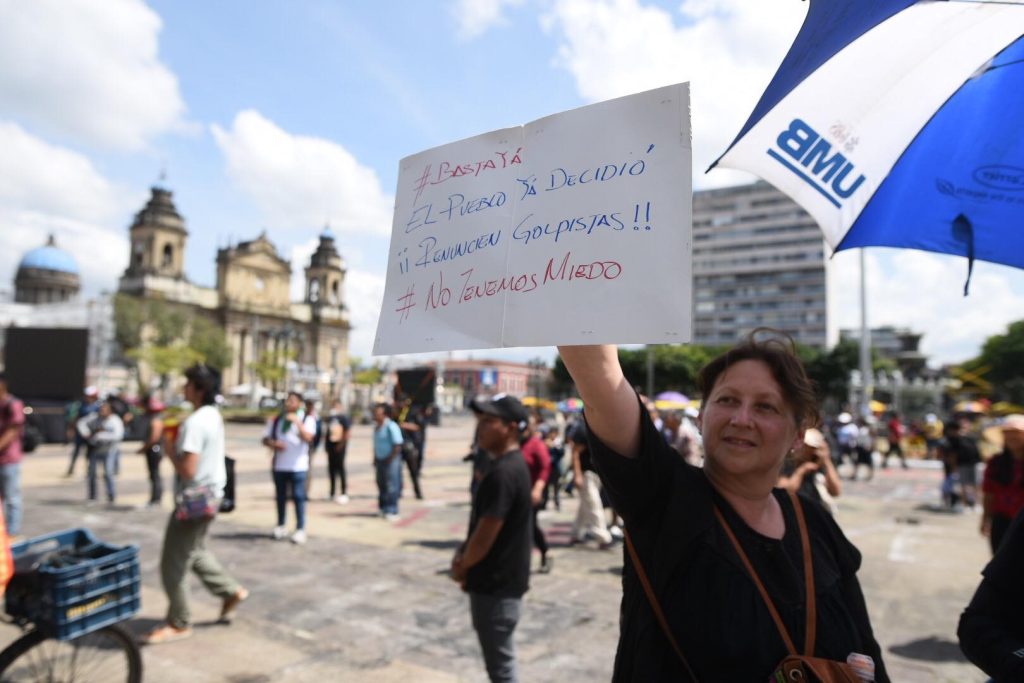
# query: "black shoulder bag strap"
[655,606]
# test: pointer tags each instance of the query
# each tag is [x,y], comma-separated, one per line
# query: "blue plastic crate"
[98,586]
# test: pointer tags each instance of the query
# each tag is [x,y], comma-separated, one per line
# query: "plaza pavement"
[370,600]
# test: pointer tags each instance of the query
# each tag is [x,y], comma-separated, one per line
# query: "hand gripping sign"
[572,229]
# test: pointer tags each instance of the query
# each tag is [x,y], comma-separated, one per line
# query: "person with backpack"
[288,435]
[12,423]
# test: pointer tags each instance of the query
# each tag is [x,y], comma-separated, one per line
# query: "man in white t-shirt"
[289,435]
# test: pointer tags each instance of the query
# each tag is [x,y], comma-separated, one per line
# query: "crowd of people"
[706,504]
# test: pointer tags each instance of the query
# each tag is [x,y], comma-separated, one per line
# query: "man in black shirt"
[493,565]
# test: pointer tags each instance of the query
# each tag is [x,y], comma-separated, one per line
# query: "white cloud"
[475,17]
[299,181]
[924,292]
[88,71]
[364,293]
[48,189]
[727,49]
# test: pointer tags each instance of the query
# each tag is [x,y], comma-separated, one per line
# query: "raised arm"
[613,413]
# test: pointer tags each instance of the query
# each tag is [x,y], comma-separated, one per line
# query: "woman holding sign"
[716,581]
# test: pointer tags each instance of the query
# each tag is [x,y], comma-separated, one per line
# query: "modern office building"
[759,260]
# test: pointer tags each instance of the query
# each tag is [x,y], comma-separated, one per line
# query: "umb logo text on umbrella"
[572,229]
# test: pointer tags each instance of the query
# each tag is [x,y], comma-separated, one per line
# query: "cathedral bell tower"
[158,239]
[325,276]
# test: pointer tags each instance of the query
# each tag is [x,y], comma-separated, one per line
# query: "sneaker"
[299,537]
[280,533]
[392,516]
[231,603]
[341,500]
[616,531]
[546,564]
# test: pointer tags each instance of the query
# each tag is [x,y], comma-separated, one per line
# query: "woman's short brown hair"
[776,350]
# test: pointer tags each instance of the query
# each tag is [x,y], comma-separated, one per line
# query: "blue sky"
[285,116]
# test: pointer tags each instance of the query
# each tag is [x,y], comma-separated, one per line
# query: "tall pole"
[255,335]
[866,376]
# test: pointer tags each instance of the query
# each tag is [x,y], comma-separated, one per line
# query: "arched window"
[335,292]
[168,260]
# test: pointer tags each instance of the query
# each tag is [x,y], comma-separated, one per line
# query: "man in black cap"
[493,565]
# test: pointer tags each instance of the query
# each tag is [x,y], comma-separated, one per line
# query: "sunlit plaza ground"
[370,600]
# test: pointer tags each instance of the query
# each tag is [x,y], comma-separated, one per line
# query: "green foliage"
[165,338]
[271,368]
[368,376]
[164,360]
[365,374]
[1002,362]
[209,341]
[676,367]
[129,317]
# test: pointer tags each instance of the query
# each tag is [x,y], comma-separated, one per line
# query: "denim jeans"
[80,445]
[10,489]
[389,484]
[109,460]
[495,622]
[295,484]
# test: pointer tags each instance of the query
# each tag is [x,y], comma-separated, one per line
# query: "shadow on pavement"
[448,544]
[930,649]
[938,509]
[614,571]
[244,536]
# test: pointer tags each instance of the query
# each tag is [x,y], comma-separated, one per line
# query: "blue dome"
[49,258]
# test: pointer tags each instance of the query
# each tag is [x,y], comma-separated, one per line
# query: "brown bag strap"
[655,607]
[808,580]
[811,626]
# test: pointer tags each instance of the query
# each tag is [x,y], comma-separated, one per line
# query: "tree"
[367,375]
[1002,358]
[675,367]
[208,340]
[129,317]
[272,367]
[165,338]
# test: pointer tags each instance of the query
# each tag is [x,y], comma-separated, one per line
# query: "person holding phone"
[288,435]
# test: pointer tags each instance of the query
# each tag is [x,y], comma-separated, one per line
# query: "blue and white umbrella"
[900,124]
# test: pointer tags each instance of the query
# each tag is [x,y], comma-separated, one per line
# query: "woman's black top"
[991,629]
[712,606]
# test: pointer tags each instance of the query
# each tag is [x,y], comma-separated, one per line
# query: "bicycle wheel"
[108,655]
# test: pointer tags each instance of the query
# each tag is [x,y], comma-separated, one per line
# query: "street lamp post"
[536,385]
[334,368]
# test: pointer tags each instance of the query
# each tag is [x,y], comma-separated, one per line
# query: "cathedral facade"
[251,300]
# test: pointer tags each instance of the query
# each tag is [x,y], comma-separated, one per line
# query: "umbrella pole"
[866,375]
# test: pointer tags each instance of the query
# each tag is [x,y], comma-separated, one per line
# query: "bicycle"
[69,592]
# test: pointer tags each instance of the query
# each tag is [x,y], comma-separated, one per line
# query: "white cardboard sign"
[572,229]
